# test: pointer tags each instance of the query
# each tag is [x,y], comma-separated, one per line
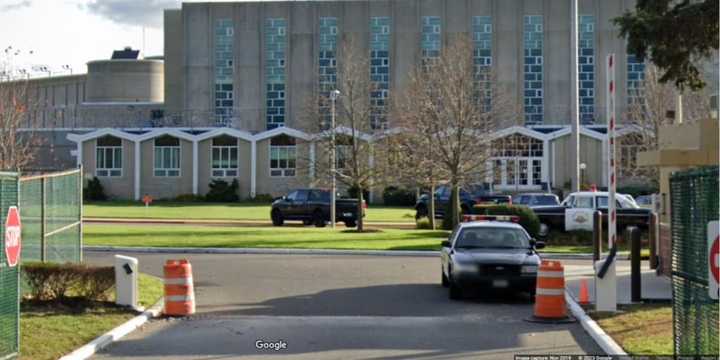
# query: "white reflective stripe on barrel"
[180,298]
[550,274]
[552,292]
[179,281]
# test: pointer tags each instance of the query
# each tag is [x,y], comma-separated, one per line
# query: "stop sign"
[713,232]
[12,236]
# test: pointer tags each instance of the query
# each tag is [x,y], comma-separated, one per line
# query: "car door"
[299,208]
[285,205]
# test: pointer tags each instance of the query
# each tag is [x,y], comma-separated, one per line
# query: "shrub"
[638,190]
[57,282]
[423,224]
[352,193]
[189,198]
[393,195]
[94,190]
[261,199]
[221,191]
[528,219]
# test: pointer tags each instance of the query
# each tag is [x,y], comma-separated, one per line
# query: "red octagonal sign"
[12,236]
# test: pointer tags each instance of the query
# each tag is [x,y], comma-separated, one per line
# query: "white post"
[138,166]
[195,167]
[607,286]
[80,154]
[574,117]
[545,169]
[312,160]
[253,167]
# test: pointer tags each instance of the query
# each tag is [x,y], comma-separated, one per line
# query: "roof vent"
[127,54]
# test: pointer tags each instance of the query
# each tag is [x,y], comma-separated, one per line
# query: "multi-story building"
[238,76]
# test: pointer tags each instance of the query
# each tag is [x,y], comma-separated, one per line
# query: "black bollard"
[633,234]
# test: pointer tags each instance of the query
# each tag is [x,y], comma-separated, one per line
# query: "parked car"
[489,255]
[628,213]
[469,197]
[312,206]
[536,199]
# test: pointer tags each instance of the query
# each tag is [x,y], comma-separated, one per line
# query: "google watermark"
[271,345]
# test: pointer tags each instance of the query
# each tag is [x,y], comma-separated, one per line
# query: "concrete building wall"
[174,61]
[590,153]
[116,187]
[205,167]
[165,187]
[125,81]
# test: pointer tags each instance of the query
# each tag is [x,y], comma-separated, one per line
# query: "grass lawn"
[274,237]
[50,332]
[640,329]
[223,211]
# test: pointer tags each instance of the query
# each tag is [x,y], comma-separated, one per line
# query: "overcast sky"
[73,32]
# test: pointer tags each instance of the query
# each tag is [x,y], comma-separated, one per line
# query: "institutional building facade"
[237,78]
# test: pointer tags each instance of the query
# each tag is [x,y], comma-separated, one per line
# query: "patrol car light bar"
[506,218]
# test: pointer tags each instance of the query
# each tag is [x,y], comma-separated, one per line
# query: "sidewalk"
[654,288]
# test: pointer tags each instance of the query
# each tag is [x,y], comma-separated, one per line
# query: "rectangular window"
[275,58]
[327,67]
[533,69]
[224,72]
[282,160]
[430,40]
[586,68]
[379,70]
[108,161]
[167,157]
[482,58]
[224,161]
[343,156]
[635,80]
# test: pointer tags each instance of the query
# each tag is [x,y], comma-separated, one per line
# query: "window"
[583,202]
[108,157]
[282,156]
[167,156]
[224,156]
[343,156]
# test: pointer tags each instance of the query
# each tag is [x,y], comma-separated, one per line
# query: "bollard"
[550,304]
[653,238]
[126,281]
[597,234]
[633,234]
[179,291]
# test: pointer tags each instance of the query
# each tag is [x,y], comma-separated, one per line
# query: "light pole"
[574,117]
[583,166]
[333,97]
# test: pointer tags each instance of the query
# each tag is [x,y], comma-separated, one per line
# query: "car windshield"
[489,237]
[522,200]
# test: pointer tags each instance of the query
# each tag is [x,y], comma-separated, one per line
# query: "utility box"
[605,287]
[126,281]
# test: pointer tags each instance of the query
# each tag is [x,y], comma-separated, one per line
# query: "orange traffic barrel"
[550,292]
[179,292]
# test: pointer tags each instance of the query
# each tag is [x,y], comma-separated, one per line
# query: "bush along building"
[228,97]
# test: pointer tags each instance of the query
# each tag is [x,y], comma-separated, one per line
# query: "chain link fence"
[694,196]
[9,276]
[51,209]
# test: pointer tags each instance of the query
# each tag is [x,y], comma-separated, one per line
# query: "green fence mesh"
[694,196]
[9,277]
[50,206]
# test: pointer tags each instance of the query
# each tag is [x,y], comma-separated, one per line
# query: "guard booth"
[694,197]
[9,276]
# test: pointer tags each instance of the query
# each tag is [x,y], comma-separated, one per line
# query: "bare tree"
[359,151]
[650,107]
[448,110]
[18,143]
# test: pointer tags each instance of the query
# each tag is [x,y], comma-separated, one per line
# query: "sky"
[57,33]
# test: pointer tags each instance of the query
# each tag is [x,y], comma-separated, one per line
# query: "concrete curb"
[609,346]
[274,251]
[115,334]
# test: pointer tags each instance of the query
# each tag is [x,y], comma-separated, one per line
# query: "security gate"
[9,276]
[694,196]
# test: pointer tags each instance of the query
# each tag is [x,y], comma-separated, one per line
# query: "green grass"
[261,237]
[223,211]
[274,237]
[48,332]
[640,329]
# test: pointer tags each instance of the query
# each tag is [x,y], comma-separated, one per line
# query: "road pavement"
[330,307]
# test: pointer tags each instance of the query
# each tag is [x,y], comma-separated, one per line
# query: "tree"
[675,35]
[651,107]
[359,152]
[448,110]
[18,143]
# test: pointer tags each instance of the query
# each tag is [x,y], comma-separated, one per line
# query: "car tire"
[421,212]
[351,223]
[307,222]
[454,291]
[318,219]
[277,218]
[445,282]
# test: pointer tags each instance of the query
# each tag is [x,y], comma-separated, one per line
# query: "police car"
[489,253]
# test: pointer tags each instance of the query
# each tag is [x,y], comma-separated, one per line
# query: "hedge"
[396,196]
[528,219]
[58,282]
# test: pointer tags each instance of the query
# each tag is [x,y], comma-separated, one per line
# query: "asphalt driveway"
[329,307]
